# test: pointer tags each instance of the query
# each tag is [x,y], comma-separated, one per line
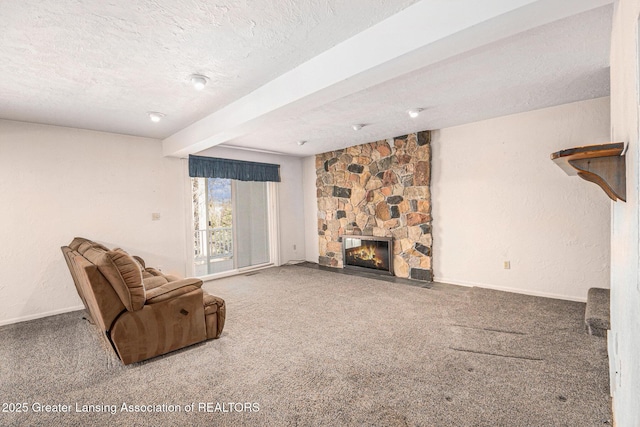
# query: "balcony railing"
[213,244]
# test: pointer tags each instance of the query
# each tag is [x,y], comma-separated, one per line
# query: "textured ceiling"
[561,62]
[102,65]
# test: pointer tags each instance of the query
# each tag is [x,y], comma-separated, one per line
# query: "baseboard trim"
[509,289]
[40,315]
[236,272]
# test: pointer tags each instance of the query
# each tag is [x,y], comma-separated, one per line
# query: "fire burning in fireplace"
[367,252]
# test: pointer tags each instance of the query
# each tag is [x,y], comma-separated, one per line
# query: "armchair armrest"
[172,290]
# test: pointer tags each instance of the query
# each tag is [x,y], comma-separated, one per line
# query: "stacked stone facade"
[378,189]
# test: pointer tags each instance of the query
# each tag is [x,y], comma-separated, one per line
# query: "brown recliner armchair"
[142,312]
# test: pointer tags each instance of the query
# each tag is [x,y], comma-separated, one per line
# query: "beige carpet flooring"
[307,347]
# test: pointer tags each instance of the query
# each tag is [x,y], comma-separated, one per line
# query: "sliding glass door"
[251,223]
[231,225]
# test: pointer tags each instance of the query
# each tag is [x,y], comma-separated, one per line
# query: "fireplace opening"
[368,252]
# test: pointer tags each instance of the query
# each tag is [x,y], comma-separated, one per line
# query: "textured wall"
[57,183]
[378,189]
[498,197]
[624,337]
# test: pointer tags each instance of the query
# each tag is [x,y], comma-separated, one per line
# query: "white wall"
[498,197]
[57,183]
[624,337]
[292,231]
[312,248]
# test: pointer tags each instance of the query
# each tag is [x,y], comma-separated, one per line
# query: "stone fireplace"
[379,189]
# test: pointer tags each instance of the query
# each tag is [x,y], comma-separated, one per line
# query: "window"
[233,222]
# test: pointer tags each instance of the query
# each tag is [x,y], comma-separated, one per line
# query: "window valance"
[212,167]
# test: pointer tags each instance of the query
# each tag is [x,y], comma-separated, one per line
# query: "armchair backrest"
[108,281]
[122,272]
[101,300]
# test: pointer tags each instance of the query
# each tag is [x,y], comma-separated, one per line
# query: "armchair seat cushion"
[153,278]
[153,282]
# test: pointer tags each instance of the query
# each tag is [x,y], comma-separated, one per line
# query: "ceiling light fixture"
[198,81]
[357,127]
[154,116]
[301,143]
[414,112]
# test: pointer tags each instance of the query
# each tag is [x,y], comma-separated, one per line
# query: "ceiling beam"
[425,33]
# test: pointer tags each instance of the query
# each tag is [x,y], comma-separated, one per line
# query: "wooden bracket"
[602,164]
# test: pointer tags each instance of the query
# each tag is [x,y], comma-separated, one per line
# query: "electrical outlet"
[294,247]
[507,265]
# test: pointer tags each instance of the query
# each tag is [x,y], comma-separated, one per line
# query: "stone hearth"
[378,189]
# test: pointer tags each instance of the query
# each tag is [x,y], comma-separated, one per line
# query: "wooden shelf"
[602,164]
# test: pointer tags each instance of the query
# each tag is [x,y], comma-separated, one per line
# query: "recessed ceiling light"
[357,127]
[154,116]
[198,81]
[414,112]
[301,143]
